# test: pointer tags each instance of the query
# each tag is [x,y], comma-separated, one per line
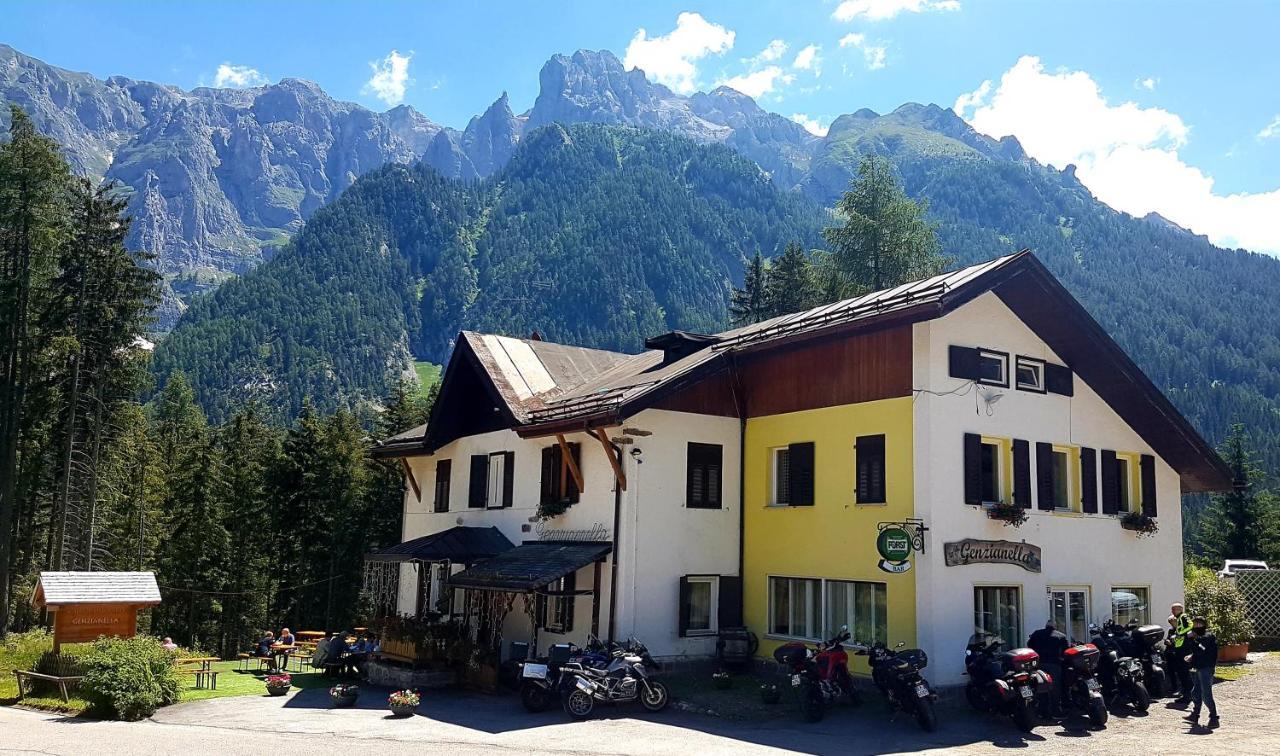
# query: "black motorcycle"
[1005,682]
[1146,644]
[1121,675]
[1080,687]
[896,673]
[625,680]
[540,678]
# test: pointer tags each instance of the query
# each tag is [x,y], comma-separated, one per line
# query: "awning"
[531,565]
[457,544]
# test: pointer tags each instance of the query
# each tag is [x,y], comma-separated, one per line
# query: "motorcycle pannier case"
[914,657]
[1148,635]
[559,654]
[790,654]
[1083,657]
[1020,660]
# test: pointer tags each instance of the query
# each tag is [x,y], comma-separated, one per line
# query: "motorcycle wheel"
[1156,684]
[850,692]
[535,698]
[579,704]
[1098,712]
[926,716]
[974,696]
[655,698]
[1025,717]
[811,704]
[1139,697]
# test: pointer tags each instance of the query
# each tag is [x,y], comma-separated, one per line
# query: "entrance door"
[1069,610]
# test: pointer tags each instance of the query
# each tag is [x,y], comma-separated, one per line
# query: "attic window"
[993,368]
[1030,374]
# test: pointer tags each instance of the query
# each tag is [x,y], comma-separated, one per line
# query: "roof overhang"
[457,544]
[531,565]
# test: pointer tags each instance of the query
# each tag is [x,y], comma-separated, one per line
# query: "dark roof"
[401,444]
[457,544]
[531,565]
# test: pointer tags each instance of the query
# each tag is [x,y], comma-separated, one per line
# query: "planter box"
[1235,652]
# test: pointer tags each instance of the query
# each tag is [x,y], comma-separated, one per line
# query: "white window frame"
[1000,446]
[1021,601]
[1065,627]
[1037,366]
[1146,610]
[774,454]
[497,472]
[821,598]
[1003,358]
[712,620]
[1125,483]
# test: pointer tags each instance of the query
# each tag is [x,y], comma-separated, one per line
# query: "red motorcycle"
[820,676]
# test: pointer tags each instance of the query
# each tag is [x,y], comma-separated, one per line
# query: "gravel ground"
[463,724]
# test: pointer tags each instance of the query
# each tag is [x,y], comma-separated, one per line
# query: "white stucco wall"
[1078,549]
[660,539]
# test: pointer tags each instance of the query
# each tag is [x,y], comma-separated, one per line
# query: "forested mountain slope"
[598,235]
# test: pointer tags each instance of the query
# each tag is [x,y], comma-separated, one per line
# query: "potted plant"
[344,695]
[403,702]
[1222,604]
[1011,514]
[722,680]
[278,685]
[1139,523]
[770,694]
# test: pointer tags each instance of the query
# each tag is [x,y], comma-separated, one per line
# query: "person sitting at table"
[168,644]
[263,649]
[282,648]
[357,655]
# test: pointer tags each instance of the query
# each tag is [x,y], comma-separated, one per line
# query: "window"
[1061,476]
[1030,374]
[781,477]
[1124,493]
[993,368]
[703,476]
[990,472]
[998,610]
[1069,610]
[1130,604]
[795,607]
[861,606]
[699,602]
[443,468]
[557,604]
[558,481]
[869,462]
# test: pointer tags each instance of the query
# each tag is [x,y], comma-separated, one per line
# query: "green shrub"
[129,678]
[1221,603]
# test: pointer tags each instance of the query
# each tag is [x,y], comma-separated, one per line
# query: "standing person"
[1050,644]
[1203,658]
[1181,622]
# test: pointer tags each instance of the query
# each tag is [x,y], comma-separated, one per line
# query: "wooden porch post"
[595,600]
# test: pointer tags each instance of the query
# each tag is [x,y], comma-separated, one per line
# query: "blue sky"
[1170,106]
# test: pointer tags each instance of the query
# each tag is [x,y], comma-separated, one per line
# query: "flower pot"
[402,710]
[1233,652]
[343,702]
[277,690]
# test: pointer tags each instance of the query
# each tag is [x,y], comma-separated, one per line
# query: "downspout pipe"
[740,404]
[613,555]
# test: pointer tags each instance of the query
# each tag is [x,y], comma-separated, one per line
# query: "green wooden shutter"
[800,461]
[1044,476]
[963,362]
[549,489]
[1089,480]
[508,478]
[1021,473]
[444,469]
[1147,470]
[729,613]
[1110,483]
[684,608]
[870,472]
[972,468]
[478,486]
[1058,379]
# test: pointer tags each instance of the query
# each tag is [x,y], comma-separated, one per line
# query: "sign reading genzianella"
[974,551]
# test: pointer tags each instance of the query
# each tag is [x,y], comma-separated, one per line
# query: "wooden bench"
[201,675]
[244,659]
[25,680]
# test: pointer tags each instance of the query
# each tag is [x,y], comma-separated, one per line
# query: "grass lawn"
[428,374]
[234,683]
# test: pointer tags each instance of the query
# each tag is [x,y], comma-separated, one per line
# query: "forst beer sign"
[894,546]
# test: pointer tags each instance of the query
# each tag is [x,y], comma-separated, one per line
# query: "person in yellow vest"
[1180,628]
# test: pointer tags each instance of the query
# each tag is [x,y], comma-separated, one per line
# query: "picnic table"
[203,661]
[25,682]
[202,668]
[310,635]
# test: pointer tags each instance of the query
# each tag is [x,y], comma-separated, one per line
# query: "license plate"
[583,685]
[535,671]
[1093,684]
[795,681]
[1156,660]
[922,691]
[1026,692]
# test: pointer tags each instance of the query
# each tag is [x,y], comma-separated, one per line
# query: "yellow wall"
[835,538]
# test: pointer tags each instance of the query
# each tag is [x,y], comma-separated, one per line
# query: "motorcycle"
[540,678]
[624,680]
[1080,687]
[1147,645]
[896,673]
[1006,682]
[820,676]
[1121,675]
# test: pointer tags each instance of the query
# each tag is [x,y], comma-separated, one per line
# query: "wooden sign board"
[79,623]
[975,551]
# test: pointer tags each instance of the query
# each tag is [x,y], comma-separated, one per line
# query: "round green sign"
[894,545]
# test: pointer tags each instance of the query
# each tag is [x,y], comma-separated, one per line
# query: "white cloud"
[671,59]
[772,51]
[812,125]
[759,82]
[1270,130]
[873,54]
[1126,154]
[390,78]
[238,77]
[1148,83]
[808,59]
[882,10]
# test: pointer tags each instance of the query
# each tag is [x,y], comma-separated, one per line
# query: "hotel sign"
[974,551]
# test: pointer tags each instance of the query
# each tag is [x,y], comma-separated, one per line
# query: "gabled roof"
[604,391]
[62,588]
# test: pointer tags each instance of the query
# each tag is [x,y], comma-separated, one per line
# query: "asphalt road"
[466,724]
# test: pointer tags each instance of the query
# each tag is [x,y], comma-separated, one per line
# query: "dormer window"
[1030,374]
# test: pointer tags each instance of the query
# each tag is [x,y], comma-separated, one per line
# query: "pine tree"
[885,240]
[791,286]
[749,304]
[1235,524]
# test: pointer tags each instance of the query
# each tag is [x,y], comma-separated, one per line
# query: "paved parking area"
[463,724]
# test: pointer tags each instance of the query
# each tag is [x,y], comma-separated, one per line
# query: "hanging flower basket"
[1140,524]
[344,695]
[1011,514]
[278,685]
[403,703]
